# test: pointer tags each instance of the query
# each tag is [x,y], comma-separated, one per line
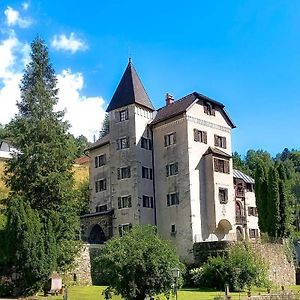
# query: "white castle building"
[170,167]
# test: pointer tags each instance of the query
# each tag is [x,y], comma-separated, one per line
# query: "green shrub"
[241,269]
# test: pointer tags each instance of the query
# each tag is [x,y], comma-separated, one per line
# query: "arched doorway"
[97,235]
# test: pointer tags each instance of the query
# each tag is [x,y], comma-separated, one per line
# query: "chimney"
[169,99]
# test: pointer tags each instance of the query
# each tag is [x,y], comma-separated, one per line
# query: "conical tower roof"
[130,90]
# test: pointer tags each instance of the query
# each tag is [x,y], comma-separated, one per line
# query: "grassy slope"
[95,293]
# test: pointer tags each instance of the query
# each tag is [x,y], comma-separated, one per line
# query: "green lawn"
[95,293]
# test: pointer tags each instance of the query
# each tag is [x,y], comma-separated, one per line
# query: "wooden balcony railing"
[240,220]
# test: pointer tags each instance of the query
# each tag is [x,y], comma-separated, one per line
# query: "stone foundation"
[280,270]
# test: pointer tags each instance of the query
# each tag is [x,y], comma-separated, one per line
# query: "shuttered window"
[200,136]
[124,173]
[100,185]
[221,165]
[100,160]
[147,201]
[220,141]
[123,143]
[172,169]
[172,199]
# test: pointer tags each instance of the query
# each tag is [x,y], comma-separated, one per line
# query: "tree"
[273,218]
[105,126]
[81,143]
[239,163]
[261,194]
[241,268]
[138,264]
[39,176]
[253,157]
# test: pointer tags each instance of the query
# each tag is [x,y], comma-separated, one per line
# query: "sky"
[245,54]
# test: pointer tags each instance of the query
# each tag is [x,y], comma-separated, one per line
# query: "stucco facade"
[170,167]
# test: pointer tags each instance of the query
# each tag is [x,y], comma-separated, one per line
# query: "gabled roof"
[101,142]
[180,106]
[239,174]
[130,90]
[217,152]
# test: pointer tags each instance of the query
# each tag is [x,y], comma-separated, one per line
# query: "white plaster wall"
[204,182]
[180,214]
[252,221]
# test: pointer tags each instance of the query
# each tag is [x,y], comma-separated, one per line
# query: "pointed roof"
[130,90]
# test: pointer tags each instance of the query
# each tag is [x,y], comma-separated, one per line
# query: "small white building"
[6,150]
[170,167]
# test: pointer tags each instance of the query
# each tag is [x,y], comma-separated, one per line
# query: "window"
[147,201]
[123,228]
[123,114]
[209,109]
[200,136]
[253,233]
[101,208]
[100,185]
[172,169]
[221,165]
[172,199]
[220,141]
[170,139]
[124,173]
[123,143]
[173,229]
[124,202]
[100,160]
[249,187]
[252,211]
[146,143]
[147,173]
[223,195]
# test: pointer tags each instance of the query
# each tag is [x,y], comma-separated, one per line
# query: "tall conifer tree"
[273,220]
[39,175]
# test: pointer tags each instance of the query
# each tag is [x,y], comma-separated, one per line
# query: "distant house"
[6,150]
[170,167]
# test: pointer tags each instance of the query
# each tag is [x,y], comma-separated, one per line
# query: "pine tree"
[105,126]
[261,194]
[273,218]
[40,174]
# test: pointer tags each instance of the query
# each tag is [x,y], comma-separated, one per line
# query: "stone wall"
[280,270]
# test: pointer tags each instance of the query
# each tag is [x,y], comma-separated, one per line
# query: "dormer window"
[209,109]
[123,115]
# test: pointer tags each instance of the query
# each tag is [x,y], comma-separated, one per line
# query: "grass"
[95,293]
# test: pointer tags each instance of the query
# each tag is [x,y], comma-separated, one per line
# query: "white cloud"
[25,5]
[14,18]
[84,113]
[71,43]
[12,52]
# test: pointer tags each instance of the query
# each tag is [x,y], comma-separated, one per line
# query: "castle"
[170,167]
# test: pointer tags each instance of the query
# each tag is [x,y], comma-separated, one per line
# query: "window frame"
[223,195]
[123,173]
[123,143]
[172,169]
[100,185]
[147,173]
[173,199]
[200,136]
[220,141]
[123,228]
[148,201]
[122,200]
[101,208]
[221,165]
[100,160]
[123,115]
[170,139]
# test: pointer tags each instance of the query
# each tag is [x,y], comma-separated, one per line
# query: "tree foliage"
[138,264]
[241,268]
[42,214]
[105,126]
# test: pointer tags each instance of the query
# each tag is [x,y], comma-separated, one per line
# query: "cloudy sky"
[245,54]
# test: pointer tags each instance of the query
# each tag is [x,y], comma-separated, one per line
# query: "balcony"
[240,220]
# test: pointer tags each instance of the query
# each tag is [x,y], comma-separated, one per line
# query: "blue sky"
[245,54]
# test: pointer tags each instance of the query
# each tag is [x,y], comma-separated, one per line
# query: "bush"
[241,269]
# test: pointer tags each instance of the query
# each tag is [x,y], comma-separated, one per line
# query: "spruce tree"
[273,218]
[40,174]
[261,194]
